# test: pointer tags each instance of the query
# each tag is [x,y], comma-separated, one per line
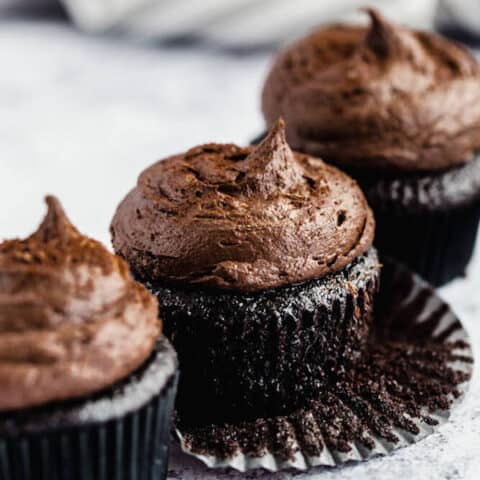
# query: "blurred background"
[93,91]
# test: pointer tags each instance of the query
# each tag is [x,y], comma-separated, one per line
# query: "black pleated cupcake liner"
[437,245]
[416,370]
[131,445]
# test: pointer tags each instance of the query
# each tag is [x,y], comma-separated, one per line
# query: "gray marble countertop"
[80,117]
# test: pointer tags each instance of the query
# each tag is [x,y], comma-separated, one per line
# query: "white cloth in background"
[235,23]
[4,4]
[247,23]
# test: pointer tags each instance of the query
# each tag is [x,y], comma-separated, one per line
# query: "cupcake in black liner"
[87,382]
[399,110]
[414,371]
[262,262]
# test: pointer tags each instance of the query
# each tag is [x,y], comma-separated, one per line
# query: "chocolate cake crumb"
[406,373]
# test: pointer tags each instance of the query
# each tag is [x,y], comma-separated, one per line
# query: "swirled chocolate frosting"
[72,320]
[377,97]
[244,219]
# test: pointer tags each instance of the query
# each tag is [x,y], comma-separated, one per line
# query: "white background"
[80,117]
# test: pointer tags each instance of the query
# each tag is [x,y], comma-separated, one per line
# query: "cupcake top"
[72,320]
[378,97]
[243,219]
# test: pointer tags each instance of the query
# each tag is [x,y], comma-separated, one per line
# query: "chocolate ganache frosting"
[72,319]
[377,97]
[244,219]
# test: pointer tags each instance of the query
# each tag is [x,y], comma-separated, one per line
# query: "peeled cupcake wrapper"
[329,458]
[410,295]
[95,439]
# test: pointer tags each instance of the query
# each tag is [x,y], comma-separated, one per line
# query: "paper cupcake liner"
[410,314]
[130,445]
[437,245]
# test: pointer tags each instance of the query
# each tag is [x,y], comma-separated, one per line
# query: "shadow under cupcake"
[262,262]
[87,382]
[399,110]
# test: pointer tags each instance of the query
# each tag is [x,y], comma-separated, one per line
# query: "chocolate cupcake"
[87,382]
[400,111]
[262,262]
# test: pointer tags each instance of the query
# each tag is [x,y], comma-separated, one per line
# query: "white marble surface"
[81,117]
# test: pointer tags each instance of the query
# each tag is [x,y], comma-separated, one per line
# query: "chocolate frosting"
[245,219]
[72,320]
[377,97]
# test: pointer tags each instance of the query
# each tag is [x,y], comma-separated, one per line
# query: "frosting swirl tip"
[271,166]
[56,222]
[386,39]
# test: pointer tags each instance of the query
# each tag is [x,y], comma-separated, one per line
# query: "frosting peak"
[243,219]
[72,320]
[381,96]
[271,166]
[55,224]
[386,39]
